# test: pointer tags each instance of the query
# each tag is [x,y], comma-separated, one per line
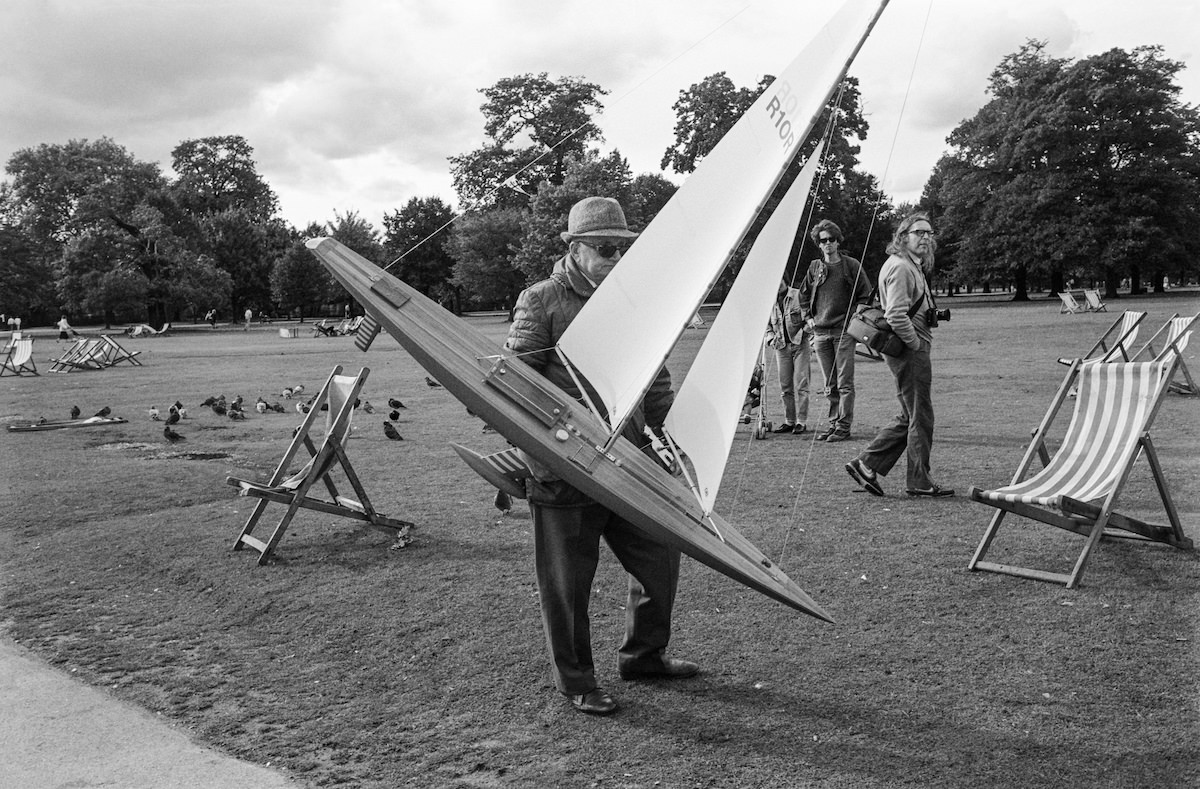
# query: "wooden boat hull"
[91,421]
[552,427]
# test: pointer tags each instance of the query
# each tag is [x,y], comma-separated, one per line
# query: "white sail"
[646,302]
[703,419]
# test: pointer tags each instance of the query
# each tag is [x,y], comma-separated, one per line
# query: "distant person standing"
[906,301]
[831,288]
[211,317]
[249,317]
[787,335]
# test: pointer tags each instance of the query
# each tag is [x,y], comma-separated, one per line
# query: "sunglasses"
[607,249]
[827,239]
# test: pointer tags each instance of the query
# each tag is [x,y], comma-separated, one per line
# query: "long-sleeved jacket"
[543,312]
[901,285]
[786,317]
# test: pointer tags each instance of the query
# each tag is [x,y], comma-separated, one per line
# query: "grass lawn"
[348,663]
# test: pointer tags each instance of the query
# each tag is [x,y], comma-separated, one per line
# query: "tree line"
[1073,170]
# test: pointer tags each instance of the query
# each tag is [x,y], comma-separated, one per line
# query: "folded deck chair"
[1094,304]
[340,393]
[111,352]
[1116,344]
[1069,304]
[86,353]
[1078,488]
[18,358]
[1174,336]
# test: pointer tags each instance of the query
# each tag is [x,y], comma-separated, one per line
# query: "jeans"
[835,355]
[793,361]
[911,432]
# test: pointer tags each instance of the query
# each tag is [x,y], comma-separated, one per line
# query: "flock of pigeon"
[233,409]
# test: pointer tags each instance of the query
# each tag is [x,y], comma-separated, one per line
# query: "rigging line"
[568,136]
[887,166]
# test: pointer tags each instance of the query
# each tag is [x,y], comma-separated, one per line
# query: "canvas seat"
[1094,302]
[1174,336]
[112,352]
[18,358]
[1078,488]
[86,353]
[1116,344]
[1069,304]
[296,490]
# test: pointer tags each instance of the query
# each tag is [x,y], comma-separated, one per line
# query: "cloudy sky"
[356,105]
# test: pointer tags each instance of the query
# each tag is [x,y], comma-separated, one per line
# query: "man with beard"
[903,284]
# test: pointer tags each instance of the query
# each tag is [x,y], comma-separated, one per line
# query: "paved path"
[57,732]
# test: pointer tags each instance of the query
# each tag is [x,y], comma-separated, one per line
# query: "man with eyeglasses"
[567,524]
[829,292]
[905,298]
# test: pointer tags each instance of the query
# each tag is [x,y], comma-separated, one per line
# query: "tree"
[218,175]
[708,109]
[414,237]
[358,234]
[483,246]
[555,115]
[1087,169]
[299,283]
[26,279]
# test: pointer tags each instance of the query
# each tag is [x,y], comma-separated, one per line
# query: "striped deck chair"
[111,353]
[1116,344]
[1094,302]
[294,491]
[85,353]
[1174,336]
[18,358]
[1079,487]
[1069,304]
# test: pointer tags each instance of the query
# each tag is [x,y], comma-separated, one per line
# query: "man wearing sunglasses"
[567,524]
[831,288]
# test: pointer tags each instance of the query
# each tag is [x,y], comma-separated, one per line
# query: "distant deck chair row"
[1078,488]
[1071,305]
[18,358]
[93,353]
[146,330]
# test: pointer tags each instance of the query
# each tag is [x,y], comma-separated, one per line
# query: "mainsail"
[646,302]
[701,420]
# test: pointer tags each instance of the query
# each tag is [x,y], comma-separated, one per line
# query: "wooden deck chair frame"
[86,353]
[1094,302]
[340,393]
[1115,344]
[18,358]
[112,352]
[1093,463]
[1174,335]
[1069,304]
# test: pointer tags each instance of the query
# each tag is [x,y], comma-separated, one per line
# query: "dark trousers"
[911,432]
[567,550]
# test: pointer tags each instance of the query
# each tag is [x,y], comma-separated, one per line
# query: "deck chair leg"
[1160,481]
[244,538]
[988,535]
[1092,541]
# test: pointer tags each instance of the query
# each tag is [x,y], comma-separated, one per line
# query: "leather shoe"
[595,702]
[837,435]
[668,668]
[784,427]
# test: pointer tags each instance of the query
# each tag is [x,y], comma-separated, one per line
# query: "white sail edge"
[643,307]
[703,419]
